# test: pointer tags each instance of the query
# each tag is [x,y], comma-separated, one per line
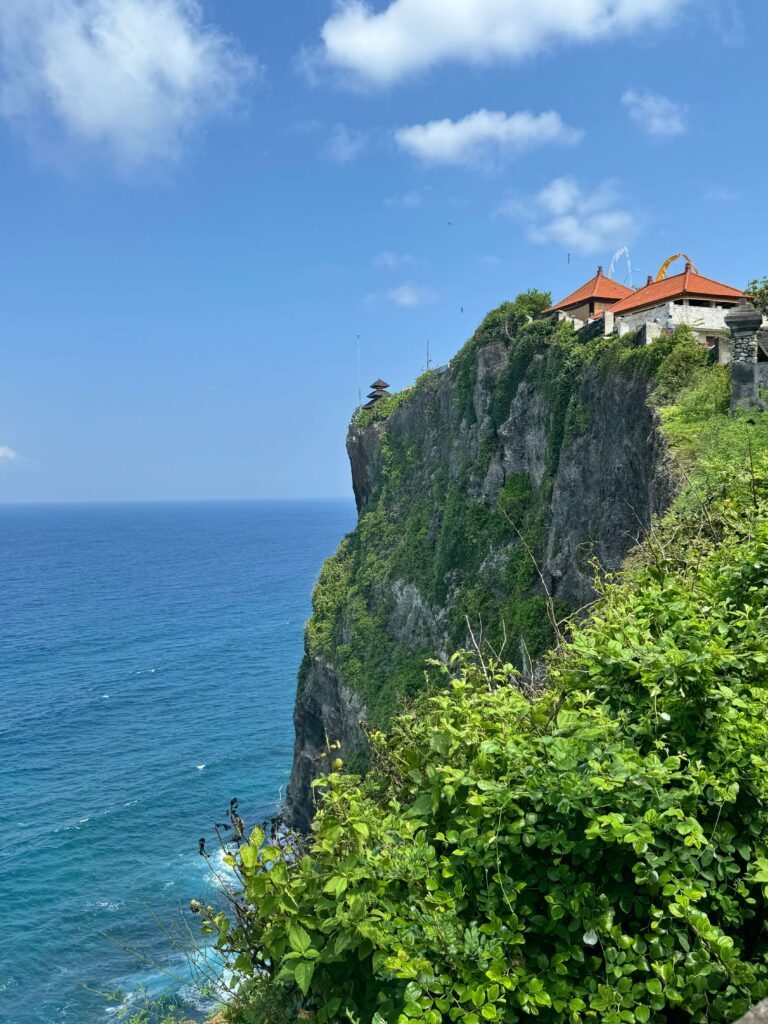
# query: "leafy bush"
[533,302]
[145,1009]
[263,1001]
[686,358]
[758,292]
[595,855]
[708,394]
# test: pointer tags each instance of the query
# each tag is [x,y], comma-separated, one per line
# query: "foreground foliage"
[597,854]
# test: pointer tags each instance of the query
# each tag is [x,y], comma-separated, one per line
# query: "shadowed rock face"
[325,711]
[599,492]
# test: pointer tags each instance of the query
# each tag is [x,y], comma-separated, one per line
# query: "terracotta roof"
[599,287]
[689,284]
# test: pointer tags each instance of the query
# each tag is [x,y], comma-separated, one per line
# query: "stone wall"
[707,320]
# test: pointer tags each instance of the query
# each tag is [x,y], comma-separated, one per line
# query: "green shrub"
[758,292]
[679,369]
[145,1009]
[596,855]
[263,1001]
[708,394]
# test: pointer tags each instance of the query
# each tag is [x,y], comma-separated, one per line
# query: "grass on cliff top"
[596,855]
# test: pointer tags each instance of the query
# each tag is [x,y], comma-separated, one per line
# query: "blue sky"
[204,205]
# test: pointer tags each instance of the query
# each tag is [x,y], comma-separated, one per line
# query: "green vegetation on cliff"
[470,555]
[594,855]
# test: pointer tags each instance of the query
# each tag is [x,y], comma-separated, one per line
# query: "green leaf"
[249,855]
[298,938]
[335,886]
[303,974]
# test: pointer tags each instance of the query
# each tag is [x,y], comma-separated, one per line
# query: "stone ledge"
[757,1015]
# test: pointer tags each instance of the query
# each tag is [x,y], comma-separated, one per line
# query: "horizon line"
[170,501]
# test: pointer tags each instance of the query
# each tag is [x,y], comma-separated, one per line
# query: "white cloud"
[721,194]
[408,296]
[346,145]
[409,36]
[559,196]
[407,201]
[135,77]
[483,137]
[7,454]
[657,115]
[393,260]
[564,214]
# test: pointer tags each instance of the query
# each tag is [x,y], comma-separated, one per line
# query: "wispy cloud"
[346,145]
[410,295]
[408,36]
[728,21]
[134,77]
[392,260]
[721,194]
[657,115]
[564,214]
[7,454]
[484,137]
[406,296]
[406,201]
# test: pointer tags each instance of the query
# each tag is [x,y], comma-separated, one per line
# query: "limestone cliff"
[529,463]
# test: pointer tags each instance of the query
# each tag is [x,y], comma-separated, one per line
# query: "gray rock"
[611,479]
[757,1015]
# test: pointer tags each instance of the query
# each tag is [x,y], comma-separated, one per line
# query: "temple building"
[663,303]
[687,298]
[589,301]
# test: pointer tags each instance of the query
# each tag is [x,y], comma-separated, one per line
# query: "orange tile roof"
[689,284]
[598,287]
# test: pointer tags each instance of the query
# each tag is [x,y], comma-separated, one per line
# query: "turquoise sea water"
[148,659]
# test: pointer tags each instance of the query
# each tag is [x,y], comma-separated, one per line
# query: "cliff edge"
[529,465]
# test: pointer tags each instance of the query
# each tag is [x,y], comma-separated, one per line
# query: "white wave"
[221,873]
[200,767]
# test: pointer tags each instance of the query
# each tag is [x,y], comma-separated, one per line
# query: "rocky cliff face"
[529,464]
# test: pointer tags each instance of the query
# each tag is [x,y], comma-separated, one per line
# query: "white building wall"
[703,319]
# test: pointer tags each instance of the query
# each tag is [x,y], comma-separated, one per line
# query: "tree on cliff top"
[533,302]
[758,292]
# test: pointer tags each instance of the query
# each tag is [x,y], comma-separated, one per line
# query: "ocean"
[148,660]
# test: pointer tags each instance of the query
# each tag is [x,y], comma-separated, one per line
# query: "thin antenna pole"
[359,374]
[569,273]
[428,359]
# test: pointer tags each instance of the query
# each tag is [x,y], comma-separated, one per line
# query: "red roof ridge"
[688,282]
[598,287]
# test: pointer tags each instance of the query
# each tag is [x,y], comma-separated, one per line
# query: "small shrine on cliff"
[378,391]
